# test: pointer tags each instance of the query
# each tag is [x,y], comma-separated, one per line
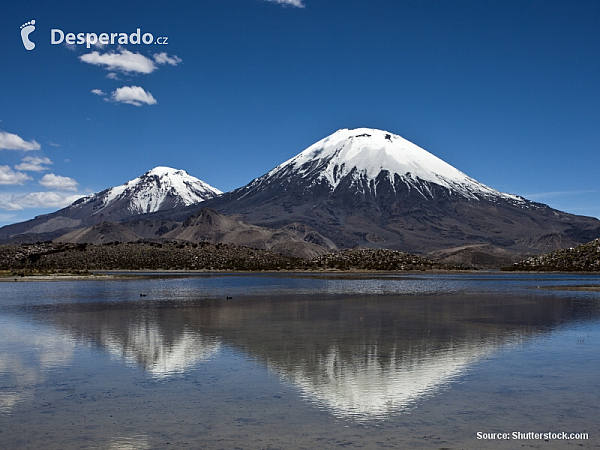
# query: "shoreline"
[54,277]
[571,288]
[124,274]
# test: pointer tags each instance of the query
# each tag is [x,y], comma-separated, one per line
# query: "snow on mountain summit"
[364,153]
[158,189]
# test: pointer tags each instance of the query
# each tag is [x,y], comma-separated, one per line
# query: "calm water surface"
[299,361]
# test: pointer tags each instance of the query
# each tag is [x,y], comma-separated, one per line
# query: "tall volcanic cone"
[374,188]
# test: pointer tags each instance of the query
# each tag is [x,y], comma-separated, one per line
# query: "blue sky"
[506,91]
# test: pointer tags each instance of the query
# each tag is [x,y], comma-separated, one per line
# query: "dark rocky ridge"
[188,256]
[583,258]
[138,256]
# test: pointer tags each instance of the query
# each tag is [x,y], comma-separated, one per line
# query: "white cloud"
[163,58]
[34,164]
[98,92]
[9,176]
[10,206]
[112,76]
[122,61]
[53,144]
[296,3]
[133,95]
[39,200]
[9,141]
[57,182]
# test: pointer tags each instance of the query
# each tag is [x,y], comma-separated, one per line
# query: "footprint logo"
[26,30]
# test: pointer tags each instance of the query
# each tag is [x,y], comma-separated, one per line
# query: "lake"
[301,361]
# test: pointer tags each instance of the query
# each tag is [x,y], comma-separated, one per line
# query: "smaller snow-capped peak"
[157,189]
[366,152]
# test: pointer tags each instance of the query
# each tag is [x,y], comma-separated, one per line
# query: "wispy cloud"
[9,141]
[9,176]
[53,144]
[121,61]
[6,217]
[58,182]
[39,200]
[542,195]
[133,95]
[112,76]
[98,92]
[296,3]
[163,58]
[34,164]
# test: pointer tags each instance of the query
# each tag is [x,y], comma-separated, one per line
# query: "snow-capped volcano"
[161,188]
[372,187]
[158,189]
[366,157]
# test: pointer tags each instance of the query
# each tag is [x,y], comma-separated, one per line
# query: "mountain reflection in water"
[162,341]
[366,357]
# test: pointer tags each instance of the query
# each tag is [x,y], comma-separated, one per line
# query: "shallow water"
[299,361]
